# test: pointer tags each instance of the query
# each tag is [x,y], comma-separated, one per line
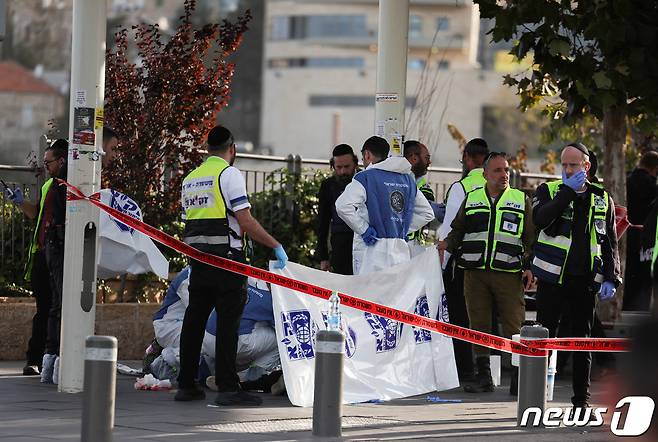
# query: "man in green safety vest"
[217,218]
[37,269]
[493,233]
[575,255]
[475,152]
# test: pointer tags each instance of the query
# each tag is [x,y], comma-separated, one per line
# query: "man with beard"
[217,220]
[419,157]
[344,164]
[46,262]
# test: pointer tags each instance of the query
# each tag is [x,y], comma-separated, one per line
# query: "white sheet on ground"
[384,359]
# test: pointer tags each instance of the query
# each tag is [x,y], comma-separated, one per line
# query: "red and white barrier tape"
[527,348]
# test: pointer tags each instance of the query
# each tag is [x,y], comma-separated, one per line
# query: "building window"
[349,100]
[442,23]
[416,64]
[415,26]
[318,26]
[280,28]
[319,62]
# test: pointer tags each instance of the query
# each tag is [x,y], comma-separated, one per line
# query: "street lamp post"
[84,171]
[392,45]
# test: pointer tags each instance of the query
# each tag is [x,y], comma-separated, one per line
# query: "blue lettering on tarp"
[299,334]
[126,205]
[422,309]
[443,309]
[350,336]
[386,332]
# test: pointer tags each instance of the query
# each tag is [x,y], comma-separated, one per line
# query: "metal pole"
[392,45]
[84,167]
[100,387]
[328,393]
[532,375]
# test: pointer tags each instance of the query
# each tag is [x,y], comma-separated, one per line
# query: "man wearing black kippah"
[217,221]
[331,227]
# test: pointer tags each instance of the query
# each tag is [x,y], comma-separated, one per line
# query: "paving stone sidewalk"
[30,411]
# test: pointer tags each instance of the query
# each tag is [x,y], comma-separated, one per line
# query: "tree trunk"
[614,177]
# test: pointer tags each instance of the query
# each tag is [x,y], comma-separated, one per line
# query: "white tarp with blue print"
[122,248]
[384,359]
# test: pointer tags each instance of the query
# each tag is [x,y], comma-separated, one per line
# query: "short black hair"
[108,134]
[219,139]
[377,146]
[411,147]
[649,159]
[342,149]
[60,148]
[476,147]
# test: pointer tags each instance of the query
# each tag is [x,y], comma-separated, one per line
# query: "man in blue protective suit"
[382,205]
[575,255]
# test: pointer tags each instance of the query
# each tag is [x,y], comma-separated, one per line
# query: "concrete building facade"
[319,75]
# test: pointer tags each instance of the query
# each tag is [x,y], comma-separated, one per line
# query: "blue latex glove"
[439,210]
[608,291]
[576,181]
[281,257]
[370,236]
[15,196]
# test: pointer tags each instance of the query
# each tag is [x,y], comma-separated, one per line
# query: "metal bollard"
[328,393]
[99,388]
[532,375]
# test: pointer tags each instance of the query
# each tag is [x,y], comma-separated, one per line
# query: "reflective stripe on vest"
[206,221]
[34,246]
[493,242]
[551,252]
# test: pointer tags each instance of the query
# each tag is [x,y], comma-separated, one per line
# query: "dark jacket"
[329,221]
[547,210]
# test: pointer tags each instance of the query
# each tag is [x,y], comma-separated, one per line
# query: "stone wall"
[130,323]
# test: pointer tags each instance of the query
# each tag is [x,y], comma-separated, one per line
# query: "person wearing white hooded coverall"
[382,205]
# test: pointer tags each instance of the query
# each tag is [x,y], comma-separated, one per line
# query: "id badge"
[599,225]
[510,223]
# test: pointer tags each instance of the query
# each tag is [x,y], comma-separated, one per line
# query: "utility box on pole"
[390,97]
[84,172]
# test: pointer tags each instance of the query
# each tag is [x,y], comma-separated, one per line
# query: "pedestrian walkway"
[30,411]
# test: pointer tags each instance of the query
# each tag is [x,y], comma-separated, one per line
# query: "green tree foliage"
[289,211]
[593,57]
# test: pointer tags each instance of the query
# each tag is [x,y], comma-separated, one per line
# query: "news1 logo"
[638,416]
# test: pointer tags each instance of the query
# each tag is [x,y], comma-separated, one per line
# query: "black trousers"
[224,291]
[341,253]
[637,276]
[41,288]
[575,298]
[55,261]
[453,280]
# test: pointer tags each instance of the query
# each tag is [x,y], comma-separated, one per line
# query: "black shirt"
[641,190]
[547,210]
[330,190]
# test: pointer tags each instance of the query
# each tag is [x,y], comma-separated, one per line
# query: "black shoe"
[190,394]
[477,387]
[231,398]
[31,370]
[484,382]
